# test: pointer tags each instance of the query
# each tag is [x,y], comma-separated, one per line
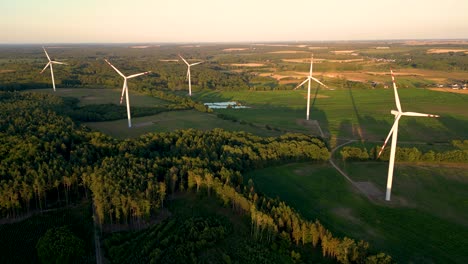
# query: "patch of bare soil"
[248,64]
[396,73]
[439,51]
[312,125]
[315,48]
[346,213]
[287,52]
[370,190]
[315,96]
[169,60]
[89,98]
[448,90]
[144,124]
[342,51]
[303,60]
[434,42]
[235,49]
[6,71]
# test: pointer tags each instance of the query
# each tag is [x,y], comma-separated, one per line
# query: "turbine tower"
[309,79]
[125,89]
[188,73]
[394,131]
[51,69]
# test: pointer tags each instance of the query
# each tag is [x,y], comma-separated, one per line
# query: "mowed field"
[342,113]
[426,222]
[104,96]
[354,114]
[174,120]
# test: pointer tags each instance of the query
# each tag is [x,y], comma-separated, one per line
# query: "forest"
[49,160]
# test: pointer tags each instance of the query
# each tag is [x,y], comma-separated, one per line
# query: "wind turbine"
[188,73]
[309,78]
[125,89]
[394,131]
[51,69]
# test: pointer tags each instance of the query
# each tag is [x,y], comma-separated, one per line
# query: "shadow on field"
[367,127]
[456,128]
[358,116]
[319,115]
[213,96]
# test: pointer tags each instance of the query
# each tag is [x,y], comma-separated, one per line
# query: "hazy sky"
[59,21]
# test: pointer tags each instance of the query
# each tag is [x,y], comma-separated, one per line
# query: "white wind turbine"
[125,89]
[398,114]
[309,79]
[51,69]
[188,73]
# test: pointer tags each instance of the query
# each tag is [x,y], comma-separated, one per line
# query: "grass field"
[342,113]
[170,121]
[428,225]
[354,113]
[104,96]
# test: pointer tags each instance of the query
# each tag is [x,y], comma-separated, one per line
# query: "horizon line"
[237,42]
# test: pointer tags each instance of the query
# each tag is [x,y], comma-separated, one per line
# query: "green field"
[354,113]
[104,96]
[428,224]
[173,120]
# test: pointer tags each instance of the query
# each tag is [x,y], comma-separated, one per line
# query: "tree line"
[412,154]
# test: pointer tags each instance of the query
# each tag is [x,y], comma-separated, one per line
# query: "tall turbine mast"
[394,133]
[309,78]
[125,89]
[188,73]
[49,64]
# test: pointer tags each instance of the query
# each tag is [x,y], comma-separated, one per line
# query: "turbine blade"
[58,62]
[301,83]
[188,73]
[397,99]
[121,74]
[184,61]
[47,65]
[138,74]
[315,79]
[397,118]
[311,63]
[123,91]
[196,63]
[46,53]
[418,114]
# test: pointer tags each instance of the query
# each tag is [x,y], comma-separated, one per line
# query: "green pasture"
[425,223]
[343,113]
[104,96]
[357,114]
[173,120]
